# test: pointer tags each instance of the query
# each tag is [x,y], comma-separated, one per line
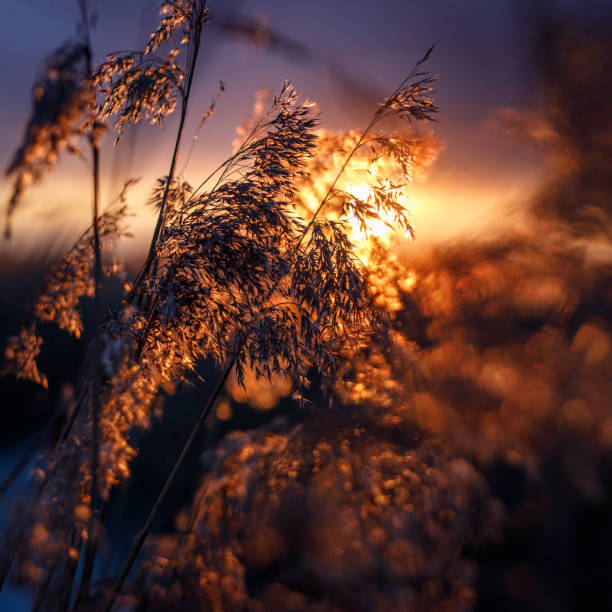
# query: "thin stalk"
[43,592]
[74,413]
[177,145]
[169,481]
[92,540]
[231,362]
[209,404]
[91,546]
[70,569]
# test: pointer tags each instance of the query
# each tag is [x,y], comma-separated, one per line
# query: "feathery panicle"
[373,191]
[61,292]
[224,250]
[140,85]
[178,193]
[179,17]
[235,274]
[20,355]
[61,114]
[72,278]
[135,87]
[412,100]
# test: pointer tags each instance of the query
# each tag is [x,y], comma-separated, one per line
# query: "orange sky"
[352,58]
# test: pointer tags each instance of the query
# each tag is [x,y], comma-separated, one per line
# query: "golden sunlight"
[379,228]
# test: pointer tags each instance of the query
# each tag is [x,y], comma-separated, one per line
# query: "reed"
[234,275]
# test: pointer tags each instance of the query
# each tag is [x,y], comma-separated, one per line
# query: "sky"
[352,55]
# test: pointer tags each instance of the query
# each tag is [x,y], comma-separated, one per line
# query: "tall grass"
[234,274]
[466,463]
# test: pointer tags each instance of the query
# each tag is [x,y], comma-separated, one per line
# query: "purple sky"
[483,58]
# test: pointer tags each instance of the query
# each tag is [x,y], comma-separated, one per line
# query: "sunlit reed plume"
[234,275]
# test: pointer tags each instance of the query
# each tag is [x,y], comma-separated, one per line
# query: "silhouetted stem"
[93,532]
[230,365]
[70,569]
[177,145]
[162,495]
[91,546]
[208,406]
[43,591]
[75,412]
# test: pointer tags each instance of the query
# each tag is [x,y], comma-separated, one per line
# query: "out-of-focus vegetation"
[466,460]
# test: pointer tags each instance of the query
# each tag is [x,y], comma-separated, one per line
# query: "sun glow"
[373,193]
[382,227]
